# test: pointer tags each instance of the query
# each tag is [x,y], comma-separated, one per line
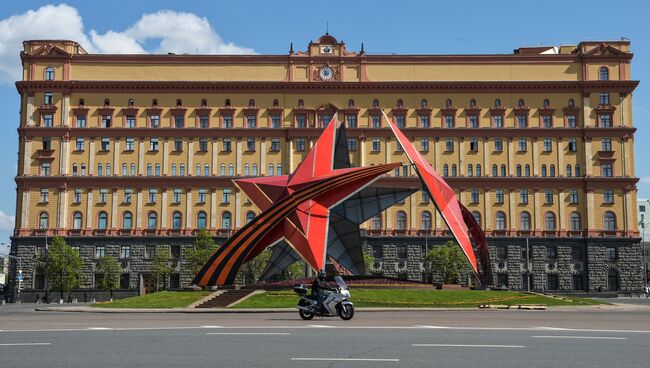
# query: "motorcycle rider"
[317,287]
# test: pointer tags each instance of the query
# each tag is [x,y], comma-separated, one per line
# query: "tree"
[110,270]
[448,261]
[203,249]
[296,270]
[252,270]
[160,268]
[63,269]
[368,261]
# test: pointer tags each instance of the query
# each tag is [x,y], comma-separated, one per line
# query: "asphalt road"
[599,338]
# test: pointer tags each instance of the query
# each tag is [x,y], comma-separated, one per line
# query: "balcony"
[606,155]
[45,154]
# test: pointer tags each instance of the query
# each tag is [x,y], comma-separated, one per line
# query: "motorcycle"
[336,303]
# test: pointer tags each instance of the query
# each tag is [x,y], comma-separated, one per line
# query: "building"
[129,155]
[644,229]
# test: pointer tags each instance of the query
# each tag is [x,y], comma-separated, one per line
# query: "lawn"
[418,299]
[162,299]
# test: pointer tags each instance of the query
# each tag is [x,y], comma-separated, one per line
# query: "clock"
[326,50]
[326,73]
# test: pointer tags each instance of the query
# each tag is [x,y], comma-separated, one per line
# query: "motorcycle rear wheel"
[305,315]
[346,312]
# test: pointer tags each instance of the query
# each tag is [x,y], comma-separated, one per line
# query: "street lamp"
[20,267]
[643,245]
[43,227]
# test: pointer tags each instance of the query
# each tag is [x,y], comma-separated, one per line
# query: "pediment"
[49,50]
[605,50]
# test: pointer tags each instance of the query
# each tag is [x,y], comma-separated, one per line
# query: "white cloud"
[644,180]
[170,31]
[7,223]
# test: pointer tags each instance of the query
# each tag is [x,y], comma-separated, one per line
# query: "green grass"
[162,299]
[418,299]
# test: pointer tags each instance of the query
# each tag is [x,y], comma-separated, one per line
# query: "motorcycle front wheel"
[346,312]
[305,315]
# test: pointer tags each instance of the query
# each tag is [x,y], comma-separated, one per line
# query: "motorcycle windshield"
[339,281]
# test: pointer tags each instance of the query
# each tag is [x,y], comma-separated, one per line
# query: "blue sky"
[267,27]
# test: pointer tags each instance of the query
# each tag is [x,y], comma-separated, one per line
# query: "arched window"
[500,220]
[472,103]
[77,220]
[495,170]
[575,221]
[83,169]
[527,170]
[179,102]
[133,172]
[424,103]
[568,170]
[154,102]
[231,170]
[108,170]
[276,103]
[400,223]
[198,170]
[448,103]
[43,221]
[478,170]
[100,170]
[426,220]
[350,103]
[521,102]
[74,170]
[102,220]
[543,171]
[577,170]
[49,73]
[125,169]
[571,103]
[206,170]
[453,170]
[157,169]
[247,170]
[549,221]
[445,170]
[225,220]
[518,170]
[375,223]
[271,170]
[301,102]
[181,170]
[152,221]
[201,220]
[204,102]
[82,102]
[279,169]
[131,102]
[470,170]
[612,280]
[250,215]
[149,169]
[497,103]
[603,73]
[546,102]
[609,221]
[251,103]
[400,102]
[552,170]
[503,170]
[177,220]
[375,103]
[127,220]
[254,172]
[107,102]
[477,217]
[524,221]
[222,170]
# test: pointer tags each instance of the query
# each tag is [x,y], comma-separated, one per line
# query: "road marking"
[27,344]
[320,326]
[249,333]
[581,337]
[211,326]
[468,346]
[100,328]
[346,359]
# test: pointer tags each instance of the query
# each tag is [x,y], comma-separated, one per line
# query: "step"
[226,298]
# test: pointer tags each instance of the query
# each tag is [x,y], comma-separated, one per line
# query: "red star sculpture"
[295,208]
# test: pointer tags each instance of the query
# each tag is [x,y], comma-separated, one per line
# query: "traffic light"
[20,284]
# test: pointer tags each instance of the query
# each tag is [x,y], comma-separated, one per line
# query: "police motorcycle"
[336,302]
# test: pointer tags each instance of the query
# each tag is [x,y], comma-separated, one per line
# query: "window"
[275,145]
[375,223]
[48,98]
[522,121]
[568,170]
[77,221]
[473,121]
[603,98]
[549,221]
[271,170]
[495,170]
[606,144]
[227,121]
[204,121]
[300,144]
[150,250]
[130,121]
[449,144]
[375,121]
[45,168]
[226,196]
[574,219]
[453,170]
[250,215]
[125,251]
[573,145]
[102,195]
[524,221]
[203,145]
[201,220]
[323,120]
[576,254]
[106,121]
[225,220]
[475,196]
[352,121]
[571,121]
[552,282]
[400,220]
[177,220]
[398,147]
[152,221]
[376,145]
[154,120]
[523,145]
[612,280]
[105,144]
[77,196]
[607,169]
[497,121]
[251,121]
[231,170]
[149,170]
[276,121]
[498,145]
[45,193]
[548,196]
[612,253]
[227,145]
[573,196]
[478,170]
[128,193]
[250,145]
[577,170]
[79,144]
[523,196]
[179,121]
[425,198]
[504,171]
[547,121]
[500,222]
[603,73]
[100,251]
[178,193]
[425,121]
[81,121]
[609,221]
[449,121]
[152,195]
[502,252]
[548,145]
[499,196]
[608,196]
[518,170]
[473,144]
[48,120]
[49,73]
[254,172]
[153,144]
[102,220]
[375,103]
[352,144]
[477,217]
[83,169]
[301,121]
[552,170]
[470,170]
[527,170]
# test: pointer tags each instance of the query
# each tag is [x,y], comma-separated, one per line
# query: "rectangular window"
[612,253]
[81,121]
[79,144]
[551,253]
[605,120]
[577,282]
[178,144]
[606,144]
[105,144]
[179,121]
[227,145]
[227,121]
[300,144]
[401,252]
[276,121]
[548,196]
[275,145]
[425,121]
[301,121]
[149,251]
[128,193]
[352,121]
[607,169]
[502,279]
[522,121]
[204,121]
[573,145]
[102,195]
[608,196]
[398,147]
[424,144]
[523,196]
[548,145]
[124,281]
[473,144]
[352,144]
[48,120]
[523,145]
[449,145]
[376,145]
[155,121]
[45,168]
[547,121]
[45,193]
[130,121]
[425,198]
[130,144]
[202,192]
[603,98]
[502,252]
[576,254]
[178,193]
[376,121]
[152,195]
[573,196]
[153,144]
[100,251]
[552,283]
[571,121]
[77,196]
[203,145]
[226,196]
[498,121]
[498,145]
[125,251]
[473,121]
[400,120]
[251,121]
[250,144]
[449,121]
[475,196]
[499,196]
[106,121]
[49,98]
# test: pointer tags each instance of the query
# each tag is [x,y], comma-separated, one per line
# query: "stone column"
[238,163]
[560,210]
[164,208]
[62,204]
[213,208]
[560,158]
[116,156]
[29,111]
[290,141]
[537,210]
[586,111]
[24,222]
[165,163]
[363,145]
[215,164]
[114,218]
[436,154]
[387,150]
[139,207]
[589,219]
[91,156]
[188,209]
[27,154]
[262,157]
[533,144]
[65,110]
[237,210]
[63,155]
[512,197]
[89,208]
[486,153]
[589,162]
[461,155]
[190,158]
[415,223]
[141,157]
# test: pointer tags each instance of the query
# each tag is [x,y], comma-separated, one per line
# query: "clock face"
[326,73]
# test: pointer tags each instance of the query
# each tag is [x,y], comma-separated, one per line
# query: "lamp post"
[47,284]
[20,268]
[527,265]
[643,245]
